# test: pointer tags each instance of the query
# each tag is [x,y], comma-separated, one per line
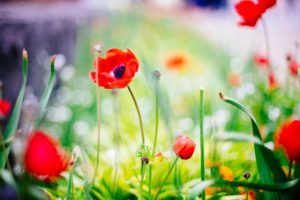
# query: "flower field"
[153,110]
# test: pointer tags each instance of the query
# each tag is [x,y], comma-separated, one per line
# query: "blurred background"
[193,43]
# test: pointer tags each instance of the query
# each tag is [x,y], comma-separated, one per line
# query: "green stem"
[166,178]
[247,192]
[150,181]
[98,124]
[117,144]
[139,114]
[156,124]
[201,116]
[290,169]
[143,138]
[155,136]
[142,179]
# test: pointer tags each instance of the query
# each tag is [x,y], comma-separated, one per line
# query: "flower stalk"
[166,178]
[97,52]
[202,158]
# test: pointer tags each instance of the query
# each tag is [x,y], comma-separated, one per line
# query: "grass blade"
[199,188]
[278,187]
[202,162]
[47,93]
[268,166]
[14,119]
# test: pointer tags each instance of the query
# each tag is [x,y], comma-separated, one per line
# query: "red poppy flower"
[184,147]
[249,11]
[43,157]
[289,138]
[116,70]
[4,108]
[267,3]
[261,60]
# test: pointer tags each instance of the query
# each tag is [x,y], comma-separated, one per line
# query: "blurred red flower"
[184,147]
[4,108]
[267,3]
[43,157]
[261,60]
[293,66]
[177,61]
[234,79]
[116,70]
[289,139]
[249,11]
[272,81]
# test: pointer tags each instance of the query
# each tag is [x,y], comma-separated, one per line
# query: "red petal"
[267,3]
[249,11]
[43,156]
[4,107]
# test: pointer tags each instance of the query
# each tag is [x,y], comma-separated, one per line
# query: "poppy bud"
[247,175]
[145,160]
[184,147]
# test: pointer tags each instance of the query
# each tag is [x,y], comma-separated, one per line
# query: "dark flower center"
[119,71]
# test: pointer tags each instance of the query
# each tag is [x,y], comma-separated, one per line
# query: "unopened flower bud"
[247,175]
[145,160]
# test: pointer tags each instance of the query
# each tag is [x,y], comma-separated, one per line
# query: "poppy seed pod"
[184,147]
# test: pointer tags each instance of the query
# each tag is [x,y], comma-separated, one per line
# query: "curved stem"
[166,178]
[143,138]
[201,113]
[139,114]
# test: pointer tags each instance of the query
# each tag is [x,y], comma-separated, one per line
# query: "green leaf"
[47,93]
[267,164]
[69,194]
[199,188]
[5,144]
[14,119]
[278,187]
[232,137]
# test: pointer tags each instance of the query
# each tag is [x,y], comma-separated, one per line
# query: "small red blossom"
[272,81]
[43,157]
[116,70]
[261,60]
[249,11]
[266,4]
[184,147]
[4,108]
[293,66]
[289,139]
